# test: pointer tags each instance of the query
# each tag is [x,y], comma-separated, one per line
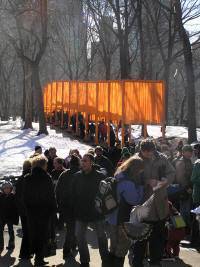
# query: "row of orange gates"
[129,102]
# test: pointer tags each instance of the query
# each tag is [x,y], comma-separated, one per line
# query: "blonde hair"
[133,166]
[39,162]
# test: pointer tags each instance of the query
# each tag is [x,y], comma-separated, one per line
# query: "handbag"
[177,221]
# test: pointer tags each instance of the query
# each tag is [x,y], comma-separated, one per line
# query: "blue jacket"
[129,194]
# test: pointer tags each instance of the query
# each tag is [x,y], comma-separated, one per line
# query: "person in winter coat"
[183,168]
[158,171]
[25,250]
[130,193]
[195,179]
[58,169]
[52,156]
[85,188]
[8,214]
[64,197]
[103,161]
[58,164]
[40,203]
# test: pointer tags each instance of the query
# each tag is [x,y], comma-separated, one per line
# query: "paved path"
[189,258]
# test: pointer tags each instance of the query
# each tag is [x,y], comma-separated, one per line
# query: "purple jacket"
[129,193]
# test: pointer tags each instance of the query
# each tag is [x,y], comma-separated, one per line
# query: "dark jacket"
[39,196]
[196,182]
[8,208]
[55,174]
[20,196]
[105,163]
[64,194]
[85,188]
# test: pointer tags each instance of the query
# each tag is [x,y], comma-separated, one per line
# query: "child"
[175,233]
[8,214]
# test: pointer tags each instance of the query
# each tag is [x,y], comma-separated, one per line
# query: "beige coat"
[157,168]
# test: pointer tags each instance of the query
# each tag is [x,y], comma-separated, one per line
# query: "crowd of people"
[87,130]
[55,193]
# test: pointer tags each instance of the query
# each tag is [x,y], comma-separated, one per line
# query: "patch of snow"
[16,145]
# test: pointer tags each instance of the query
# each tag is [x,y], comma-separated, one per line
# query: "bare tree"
[124,14]
[30,44]
[188,57]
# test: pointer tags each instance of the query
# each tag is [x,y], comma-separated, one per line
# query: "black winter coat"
[39,196]
[8,208]
[84,192]
[64,194]
[105,163]
[20,195]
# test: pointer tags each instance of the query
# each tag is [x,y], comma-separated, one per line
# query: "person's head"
[58,163]
[52,152]
[46,153]
[133,167]
[75,152]
[125,150]
[74,162]
[147,148]
[38,149]
[87,162]
[126,156]
[187,151]
[39,162]
[27,166]
[91,151]
[7,188]
[197,150]
[99,151]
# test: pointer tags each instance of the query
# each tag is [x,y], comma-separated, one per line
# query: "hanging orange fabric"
[133,102]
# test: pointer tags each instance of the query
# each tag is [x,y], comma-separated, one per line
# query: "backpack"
[106,198]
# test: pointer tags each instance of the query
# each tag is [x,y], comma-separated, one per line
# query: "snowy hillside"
[16,145]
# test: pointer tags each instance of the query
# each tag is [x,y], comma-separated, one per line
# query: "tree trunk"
[124,57]
[182,111]
[24,90]
[39,99]
[166,78]
[141,40]
[190,89]
[28,95]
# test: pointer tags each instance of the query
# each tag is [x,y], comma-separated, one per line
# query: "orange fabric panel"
[103,98]
[66,96]
[59,95]
[53,99]
[82,95]
[143,102]
[92,94]
[73,95]
[115,101]
[49,98]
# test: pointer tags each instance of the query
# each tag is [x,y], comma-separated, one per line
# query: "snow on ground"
[16,145]
[171,131]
